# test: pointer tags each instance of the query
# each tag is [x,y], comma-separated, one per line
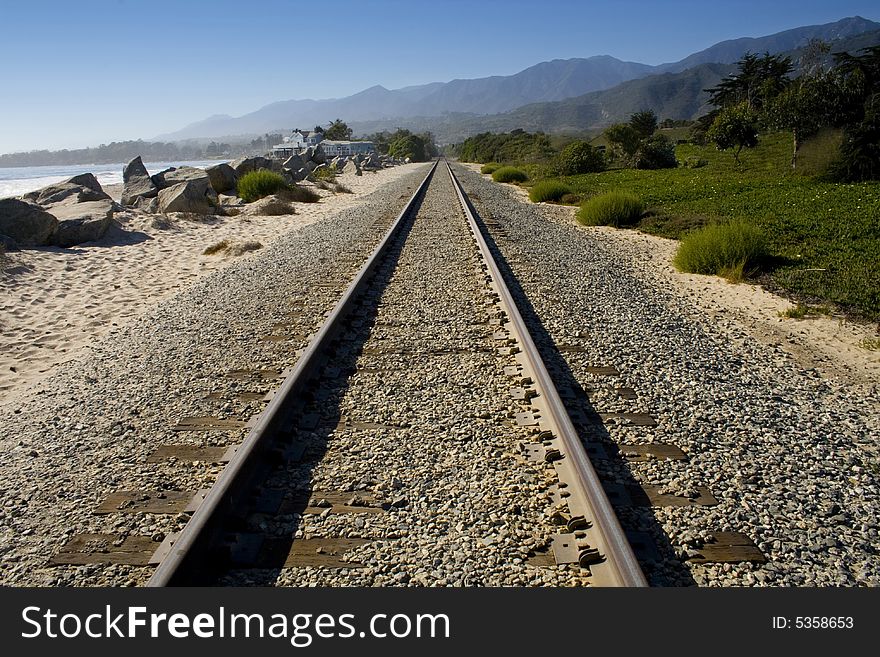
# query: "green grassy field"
[824,238]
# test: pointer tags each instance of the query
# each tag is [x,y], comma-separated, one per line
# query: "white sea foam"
[15,181]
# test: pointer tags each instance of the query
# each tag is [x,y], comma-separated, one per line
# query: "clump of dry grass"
[342,189]
[299,194]
[871,344]
[217,247]
[232,248]
[273,207]
[802,310]
[241,248]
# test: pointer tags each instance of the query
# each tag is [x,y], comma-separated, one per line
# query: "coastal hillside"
[555,80]
[679,96]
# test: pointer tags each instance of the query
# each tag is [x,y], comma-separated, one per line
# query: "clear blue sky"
[94,71]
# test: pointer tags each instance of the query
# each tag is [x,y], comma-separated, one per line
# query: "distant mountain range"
[559,95]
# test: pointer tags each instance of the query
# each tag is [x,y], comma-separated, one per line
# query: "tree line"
[121,151]
[514,146]
[762,95]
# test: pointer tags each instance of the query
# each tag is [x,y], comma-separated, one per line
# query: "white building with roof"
[333,148]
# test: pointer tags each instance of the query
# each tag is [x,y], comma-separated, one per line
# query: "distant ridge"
[728,52]
[554,80]
[670,95]
[523,96]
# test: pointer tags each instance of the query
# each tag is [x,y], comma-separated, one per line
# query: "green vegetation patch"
[802,310]
[509,175]
[729,249]
[611,209]
[871,344]
[513,146]
[258,184]
[489,168]
[548,190]
[579,157]
[325,172]
[823,237]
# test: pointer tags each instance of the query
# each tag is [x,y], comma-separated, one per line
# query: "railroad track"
[425,368]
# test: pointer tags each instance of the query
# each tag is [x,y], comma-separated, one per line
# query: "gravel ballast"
[428,429]
[786,453]
[88,429]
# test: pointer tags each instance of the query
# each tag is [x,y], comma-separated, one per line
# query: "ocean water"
[15,181]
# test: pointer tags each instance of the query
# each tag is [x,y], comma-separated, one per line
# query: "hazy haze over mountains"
[606,81]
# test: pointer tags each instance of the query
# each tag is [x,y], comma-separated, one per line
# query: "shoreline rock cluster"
[79,210]
[64,214]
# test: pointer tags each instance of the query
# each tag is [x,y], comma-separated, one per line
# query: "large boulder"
[188,196]
[65,192]
[148,205]
[294,162]
[176,175]
[307,154]
[84,187]
[86,180]
[229,201]
[245,165]
[8,243]
[137,182]
[223,178]
[301,174]
[351,168]
[82,222]
[318,155]
[27,223]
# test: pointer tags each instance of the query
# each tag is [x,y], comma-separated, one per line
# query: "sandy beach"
[54,302]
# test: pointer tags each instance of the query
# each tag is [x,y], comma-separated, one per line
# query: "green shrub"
[509,174]
[548,190]
[325,172]
[579,157]
[491,167]
[860,151]
[611,209]
[656,152]
[802,310]
[726,249]
[694,162]
[257,184]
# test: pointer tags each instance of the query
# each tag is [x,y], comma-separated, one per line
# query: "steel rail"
[620,566]
[182,563]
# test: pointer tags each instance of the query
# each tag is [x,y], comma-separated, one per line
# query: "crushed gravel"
[787,454]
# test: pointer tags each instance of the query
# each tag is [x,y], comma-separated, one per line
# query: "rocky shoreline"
[78,210]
